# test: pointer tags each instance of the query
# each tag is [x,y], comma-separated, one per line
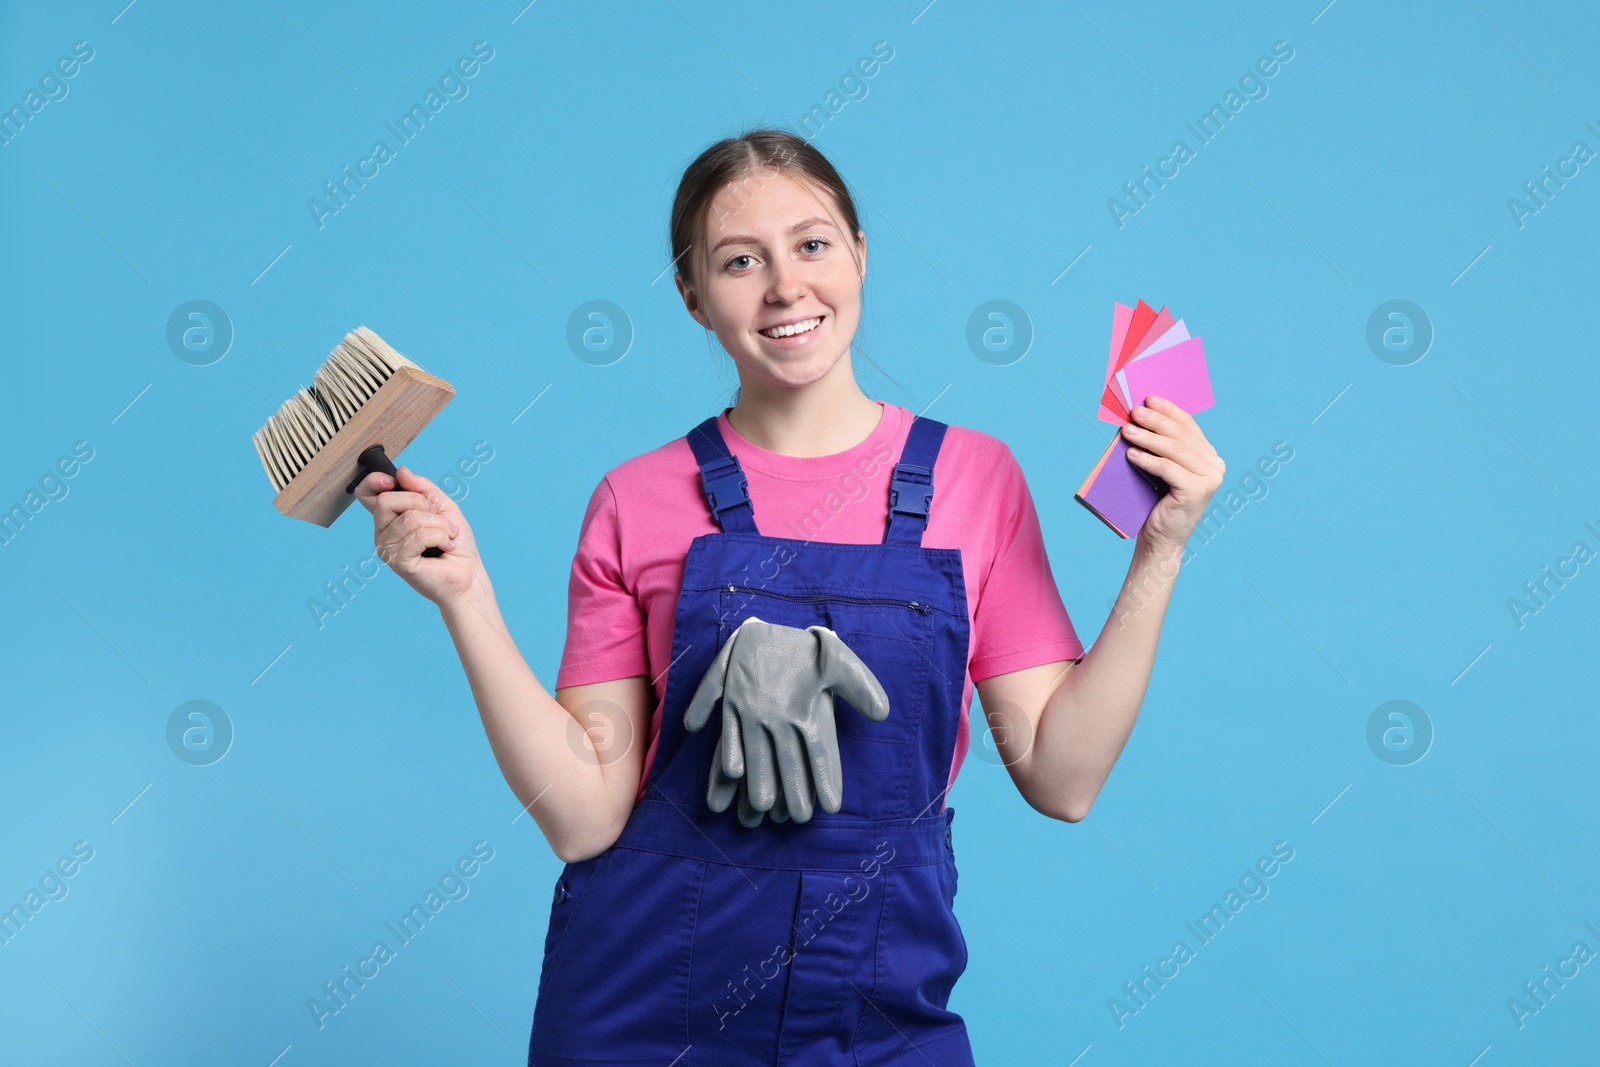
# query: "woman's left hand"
[1164,440]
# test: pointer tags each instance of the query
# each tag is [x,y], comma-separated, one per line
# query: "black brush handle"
[374,458]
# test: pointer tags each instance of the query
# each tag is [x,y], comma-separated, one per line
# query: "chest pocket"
[892,637]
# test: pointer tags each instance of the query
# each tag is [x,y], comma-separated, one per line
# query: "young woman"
[684,935]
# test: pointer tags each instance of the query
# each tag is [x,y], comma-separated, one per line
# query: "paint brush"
[366,402]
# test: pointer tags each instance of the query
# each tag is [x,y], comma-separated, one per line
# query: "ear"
[691,300]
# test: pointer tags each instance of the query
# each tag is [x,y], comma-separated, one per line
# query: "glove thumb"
[843,672]
[710,688]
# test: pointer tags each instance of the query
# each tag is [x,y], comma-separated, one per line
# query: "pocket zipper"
[913,604]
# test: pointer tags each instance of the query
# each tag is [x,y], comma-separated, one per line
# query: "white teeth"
[790,331]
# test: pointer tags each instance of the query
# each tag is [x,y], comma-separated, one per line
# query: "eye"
[821,243]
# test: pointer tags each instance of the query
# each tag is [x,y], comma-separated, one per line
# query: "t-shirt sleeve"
[1020,620]
[605,622]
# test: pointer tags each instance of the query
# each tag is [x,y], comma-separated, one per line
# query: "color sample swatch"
[1151,355]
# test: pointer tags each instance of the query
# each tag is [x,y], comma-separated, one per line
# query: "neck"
[820,419]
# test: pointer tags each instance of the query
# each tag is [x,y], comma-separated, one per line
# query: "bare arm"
[1060,727]
[573,760]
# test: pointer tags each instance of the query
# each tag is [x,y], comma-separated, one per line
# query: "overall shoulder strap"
[727,492]
[911,487]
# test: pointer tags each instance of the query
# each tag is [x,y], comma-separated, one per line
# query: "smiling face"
[776,261]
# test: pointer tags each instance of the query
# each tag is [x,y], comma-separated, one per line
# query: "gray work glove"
[777,685]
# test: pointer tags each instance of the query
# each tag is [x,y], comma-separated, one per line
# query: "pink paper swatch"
[1177,373]
[1121,316]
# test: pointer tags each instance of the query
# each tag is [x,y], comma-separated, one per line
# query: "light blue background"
[1377,566]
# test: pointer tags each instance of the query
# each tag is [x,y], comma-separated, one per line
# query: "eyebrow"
[803,224]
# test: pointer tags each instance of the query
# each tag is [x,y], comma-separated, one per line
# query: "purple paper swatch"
[1120,493]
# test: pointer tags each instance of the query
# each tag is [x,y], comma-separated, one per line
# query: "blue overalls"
[696,941]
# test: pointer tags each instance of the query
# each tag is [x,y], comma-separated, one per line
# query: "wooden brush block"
[405,403]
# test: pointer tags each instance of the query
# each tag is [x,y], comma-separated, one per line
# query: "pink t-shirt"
[628,569]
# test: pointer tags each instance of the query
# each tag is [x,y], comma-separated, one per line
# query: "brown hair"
[737,159]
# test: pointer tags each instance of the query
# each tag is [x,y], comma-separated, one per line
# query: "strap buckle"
[911,489]
[726,486]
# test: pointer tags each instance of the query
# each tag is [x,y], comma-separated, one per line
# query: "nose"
[786,286]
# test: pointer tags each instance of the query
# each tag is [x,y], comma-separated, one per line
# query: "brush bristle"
[352,373]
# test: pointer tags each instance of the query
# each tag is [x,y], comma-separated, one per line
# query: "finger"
[706,695]
[389,508]
[415,541]
[720,789]
[391,502]
[749,816]
[732,745]
[1181,471]
[413,482]
[822,748]
[794,776]
[1168,419]
[842,671]
[760,769]
[710,688]
[780,810]
[1176,449]
[1162,414]
[1150,426]
[1176,475]
[409,529]
[1159,466]
[368,488]
[396,502]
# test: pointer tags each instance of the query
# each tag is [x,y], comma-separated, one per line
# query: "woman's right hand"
[415,516]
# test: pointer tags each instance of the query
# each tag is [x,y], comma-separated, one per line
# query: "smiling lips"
[793,329]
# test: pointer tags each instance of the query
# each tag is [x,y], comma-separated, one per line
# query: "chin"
[798,374]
